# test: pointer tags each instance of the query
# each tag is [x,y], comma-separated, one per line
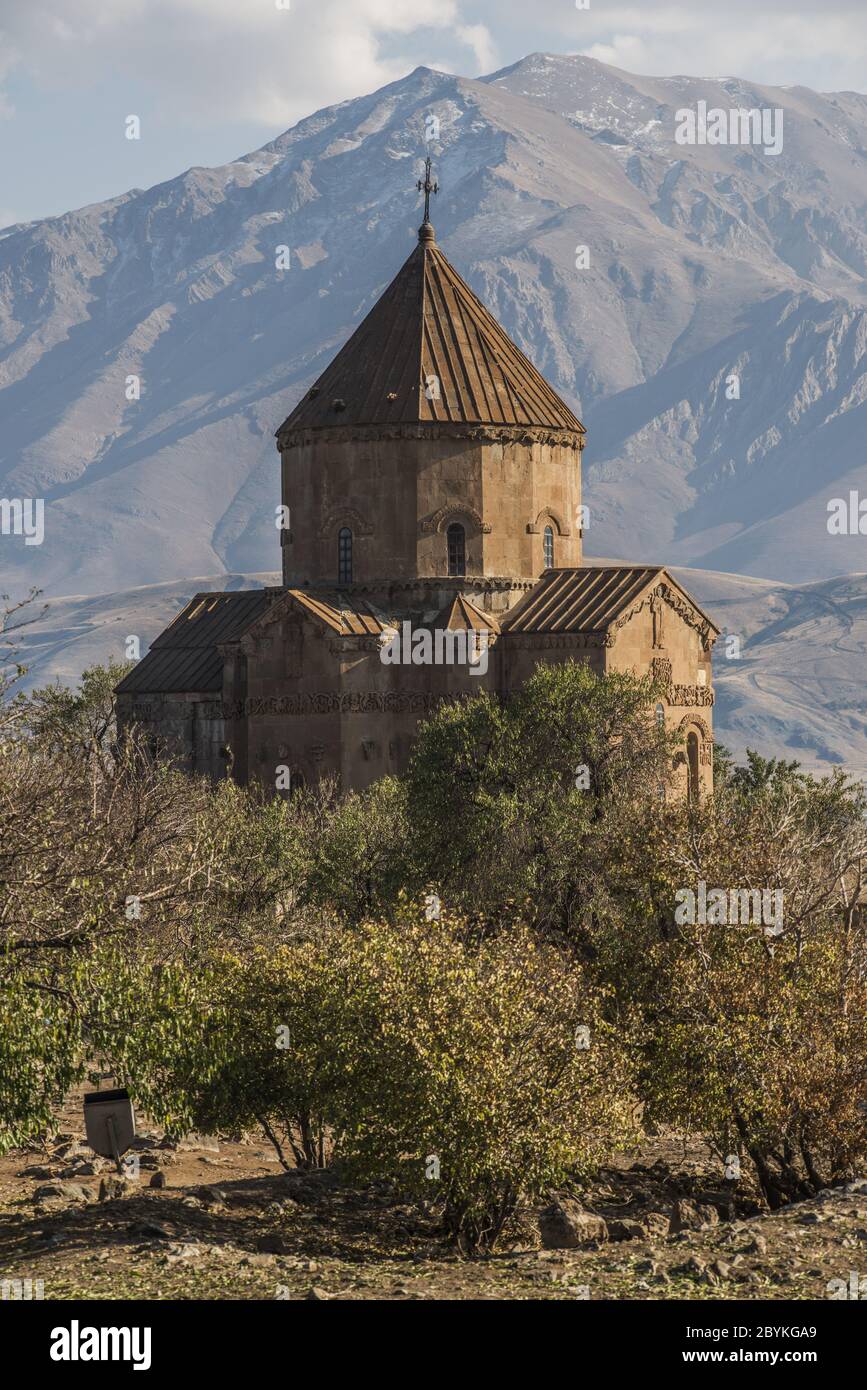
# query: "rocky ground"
[214,1219]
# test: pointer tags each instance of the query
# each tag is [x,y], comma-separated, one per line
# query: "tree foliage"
[248,961]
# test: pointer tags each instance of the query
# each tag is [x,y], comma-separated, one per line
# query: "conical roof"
[429,323]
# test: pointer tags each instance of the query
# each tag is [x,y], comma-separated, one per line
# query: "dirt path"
[229,1224]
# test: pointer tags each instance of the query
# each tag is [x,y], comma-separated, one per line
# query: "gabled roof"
[588,599]
[185,657]
[430,323]
[461,615]
[337,611]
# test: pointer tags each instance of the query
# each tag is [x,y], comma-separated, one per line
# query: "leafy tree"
[353,855]
[756,1029]
[474,1072]
[14,618]
[506,1079]
[82,721]
[519,803]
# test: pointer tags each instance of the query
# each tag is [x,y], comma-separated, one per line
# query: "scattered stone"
[316,1294]
[273,1244]
[197,1141]
[693,1216]
[72,1150]
[49,1237]
[210,1196]
[653,1225]
[149,1230]
[113,1187]
[565,1225]
[625,1230]
[85,1168]
[158,1180]
[185,1250]
[37,1170]
[757,1246]
[69,1191]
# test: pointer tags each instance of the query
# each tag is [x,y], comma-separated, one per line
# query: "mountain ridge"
[703,261]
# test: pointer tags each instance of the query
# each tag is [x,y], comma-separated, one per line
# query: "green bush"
[474,1072]
[755,1032]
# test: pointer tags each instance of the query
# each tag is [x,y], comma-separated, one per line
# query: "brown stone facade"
[431,484]
[398,491]
[301,700]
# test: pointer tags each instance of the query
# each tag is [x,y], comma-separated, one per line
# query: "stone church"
[432,548]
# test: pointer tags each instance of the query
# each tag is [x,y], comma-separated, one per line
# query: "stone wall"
[190,727]
[399,494]
[656,637]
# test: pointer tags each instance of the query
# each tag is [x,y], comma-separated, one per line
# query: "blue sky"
[213,79]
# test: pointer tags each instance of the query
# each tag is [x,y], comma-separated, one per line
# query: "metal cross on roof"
[427,187]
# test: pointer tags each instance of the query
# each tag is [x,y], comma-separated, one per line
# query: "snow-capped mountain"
[706,262]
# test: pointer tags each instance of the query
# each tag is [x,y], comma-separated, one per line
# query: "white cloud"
[238,61]
[478,37]
[248,61]
[823,46]
[750,42]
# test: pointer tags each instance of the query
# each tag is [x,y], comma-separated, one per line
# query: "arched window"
[457,542]
[692,762]
[344,556]
[660,714]
[548,547]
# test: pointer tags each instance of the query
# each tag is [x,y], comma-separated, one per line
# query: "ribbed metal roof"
[461,615]
[430,323]
[587,599]
[338,612]
[185,657]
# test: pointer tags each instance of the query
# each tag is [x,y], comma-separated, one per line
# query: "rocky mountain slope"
[703,262]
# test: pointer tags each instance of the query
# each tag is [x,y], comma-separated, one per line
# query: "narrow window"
[344,556]
[692,760]
[457,549]
[660,714]
[549,547]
